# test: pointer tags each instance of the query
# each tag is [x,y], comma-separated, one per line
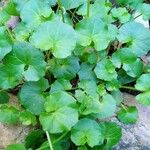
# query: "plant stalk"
[61,9]
[129,88]
[124,107]
[49,141]
[60,138]
[88,9]
[10,34]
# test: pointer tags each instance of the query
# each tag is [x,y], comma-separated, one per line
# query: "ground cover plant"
[69,61]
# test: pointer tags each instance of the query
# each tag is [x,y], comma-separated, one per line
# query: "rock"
[12,133]
[135,136]
[12,23]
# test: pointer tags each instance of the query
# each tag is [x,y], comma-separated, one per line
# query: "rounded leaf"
[86,131]
[57,36]
[29,59]
[128,115]
[136,36]
[144,98]
[5,43]
[8,114]
[105,70]
[32,96]
[58,100]
[4,97]
[111,132]
[15,147]
[63,119]
[35,12]
[142,82]
[107,107]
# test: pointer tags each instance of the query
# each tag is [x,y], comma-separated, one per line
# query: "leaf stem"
[88,9]
[124,107]
[129,88]
[137,16]
[10,34]
[61,9]
[56,141]
[60,138]
[49,141]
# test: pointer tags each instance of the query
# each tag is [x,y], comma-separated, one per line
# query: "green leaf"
[27,118]
[57,100]
[60,115]
[64,68]
[4,17]
[58,39]
[105,70]
[10,8]
[21,32]
[28,59]
[121,14]
[107,107]
[4,97]
[111,133]
[88,105]
[136,36]
[86,72]
[134,69]
[60,84]
[80,134]
[35,12]
[52,2]
[15,147]
[144,98]
[20,4]
[113,85]
[10,76]
[69,4]
[142,83]
[128,115]
[89,86]
[124,55]
[118,96]
[96,31]
[32,96]
[34,139]
[5,43]
[124,78]
[8,114]
[99,8]
[145,10]
[134,4]
[60,120]
[82,148]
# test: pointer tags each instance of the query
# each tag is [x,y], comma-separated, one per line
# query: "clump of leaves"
[69,61]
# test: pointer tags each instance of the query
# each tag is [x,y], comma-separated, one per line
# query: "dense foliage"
[69,61]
